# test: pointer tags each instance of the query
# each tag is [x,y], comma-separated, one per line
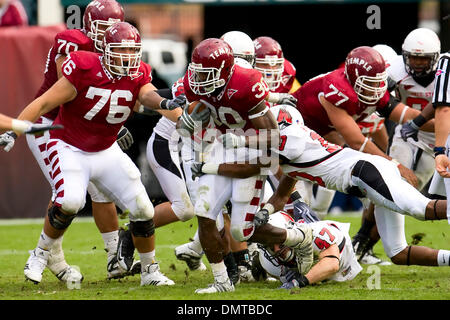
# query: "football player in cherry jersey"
[279,73]
[337,100]
[97,94]
[99,15]
[304,154]
[235,97]
[333,254]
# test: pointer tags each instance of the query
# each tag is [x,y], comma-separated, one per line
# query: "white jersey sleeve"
[292,142]
[441,95]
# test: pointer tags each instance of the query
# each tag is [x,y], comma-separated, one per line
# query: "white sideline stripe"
[7,252]
[25,221]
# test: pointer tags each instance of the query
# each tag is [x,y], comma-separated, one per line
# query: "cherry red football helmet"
[98,16]
[269,60]
[122,35]
[212,65]
[365,69]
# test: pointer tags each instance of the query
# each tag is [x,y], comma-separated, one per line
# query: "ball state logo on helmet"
[98,16]
[120,36]
[212,65]
[286,114]
[365,69]
[269,60]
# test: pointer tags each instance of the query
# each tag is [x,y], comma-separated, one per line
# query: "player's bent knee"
[144,229]
[144,208]
[183,209]
[58,219]
[73,204]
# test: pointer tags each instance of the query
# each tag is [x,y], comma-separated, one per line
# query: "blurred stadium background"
[315,35]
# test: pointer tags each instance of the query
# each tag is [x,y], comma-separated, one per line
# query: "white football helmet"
[241,44]
[421,42]
[286,113]
[386,52]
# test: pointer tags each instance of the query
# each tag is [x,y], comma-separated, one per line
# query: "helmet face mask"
[211,66]
[420,65]
[365,69]
[122,49]
[97,31]
[371,89]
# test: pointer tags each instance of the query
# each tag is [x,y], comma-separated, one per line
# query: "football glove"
[409,130]
[303,211]
[196,169]
[178,102]
[286,98]
[230,140]
[7,140]
[124,139]
[261,217]
[194,120]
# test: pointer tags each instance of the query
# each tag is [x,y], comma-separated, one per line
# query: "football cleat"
[216,287]
[245,273]
[61,269]
[125,250]
[114,270]
[70,274]
[153,276]
[192,258]
[371,258]
[36,264]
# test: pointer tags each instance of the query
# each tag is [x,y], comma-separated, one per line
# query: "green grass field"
[84,247]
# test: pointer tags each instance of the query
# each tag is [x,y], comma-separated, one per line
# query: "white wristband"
[19,126]
[405,108]
[273,97]
[363,145]
[210,168]
[269,207]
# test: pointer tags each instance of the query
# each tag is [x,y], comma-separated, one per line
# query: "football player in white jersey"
[360,174]
[334,258]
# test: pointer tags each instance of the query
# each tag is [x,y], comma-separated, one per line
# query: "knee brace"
[143,229]
[59,220]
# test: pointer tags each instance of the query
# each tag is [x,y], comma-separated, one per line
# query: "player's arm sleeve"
[388,106]
[441,95]
[292,144]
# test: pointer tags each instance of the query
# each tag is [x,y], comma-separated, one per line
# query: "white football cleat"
[216,287]
[36,264]
[114,270]
[371,258]
[153,276]
[192,258]
[61,269]
[245,274]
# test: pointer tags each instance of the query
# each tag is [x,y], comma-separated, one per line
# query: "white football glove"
[286,98]
[230,140]
[7,140]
